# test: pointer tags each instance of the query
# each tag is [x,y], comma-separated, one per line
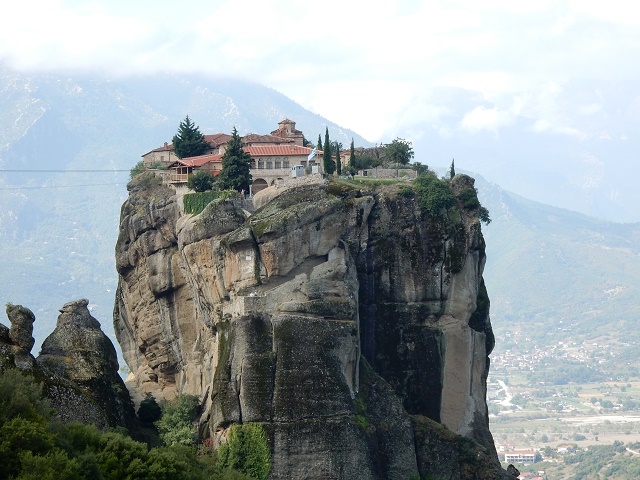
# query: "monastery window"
[162,158]
[285,162]
[253,163]
[269,164]
[277,162]
[261,163]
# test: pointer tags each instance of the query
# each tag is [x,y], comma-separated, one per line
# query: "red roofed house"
[287,129]
[272,156]
[165,156]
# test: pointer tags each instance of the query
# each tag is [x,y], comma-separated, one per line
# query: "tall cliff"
[350,323]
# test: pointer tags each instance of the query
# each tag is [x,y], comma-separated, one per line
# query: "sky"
[375,70]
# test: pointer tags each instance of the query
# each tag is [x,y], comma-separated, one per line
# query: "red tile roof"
[255,152]
[278,150]
[256,138]
[217,139]
[200,160]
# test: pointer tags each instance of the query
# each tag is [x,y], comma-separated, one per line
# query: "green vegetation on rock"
[247,451]
[434,195]
[35,446]
[176,426]
[137,169]
[201,181]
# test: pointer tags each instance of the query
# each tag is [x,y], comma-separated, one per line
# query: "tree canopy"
[189,142]
[201,181]
[236,166]
[399,151]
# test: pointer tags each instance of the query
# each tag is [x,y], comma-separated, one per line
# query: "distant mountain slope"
[58,226]
[579,151]
[558,275]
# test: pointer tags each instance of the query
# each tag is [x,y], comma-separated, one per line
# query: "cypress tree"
[352,156]
[338,146]
[319,142]
[452,170]
[327,162]
[189,142]
[236,166]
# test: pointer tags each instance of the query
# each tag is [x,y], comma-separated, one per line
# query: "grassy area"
[374,182]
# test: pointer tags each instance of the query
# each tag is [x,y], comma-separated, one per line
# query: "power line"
[61,186]
[61,171]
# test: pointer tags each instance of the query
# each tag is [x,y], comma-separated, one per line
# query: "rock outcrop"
[78,366]
[353,326]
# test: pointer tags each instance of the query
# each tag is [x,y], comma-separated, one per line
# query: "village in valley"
[550,405]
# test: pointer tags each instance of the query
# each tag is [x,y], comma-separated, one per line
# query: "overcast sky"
[371,67]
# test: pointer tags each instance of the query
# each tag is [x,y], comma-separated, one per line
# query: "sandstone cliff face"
[346,322]
[77,366]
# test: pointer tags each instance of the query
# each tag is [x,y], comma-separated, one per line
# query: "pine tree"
[189,142]
[236,166]
[327,162]
[452,170]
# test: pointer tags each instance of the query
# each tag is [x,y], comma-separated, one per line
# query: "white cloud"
[370,69]
[482,118]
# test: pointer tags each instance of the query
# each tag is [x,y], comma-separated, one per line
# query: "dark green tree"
[176,424]
[201,181]
[366,160]
[337,146]
[319,142]
[149,410]
[352,155]
[189,142]
[420,168]
[452,169]
[399,151]
[247,451]
[327,161]
[236,166]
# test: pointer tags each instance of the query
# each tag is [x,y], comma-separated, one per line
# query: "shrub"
[435,195]
[194,203]
[247,451]
[201,181]
[469,199]
[21,396]
[483,215]
[176,425]
[137,169]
